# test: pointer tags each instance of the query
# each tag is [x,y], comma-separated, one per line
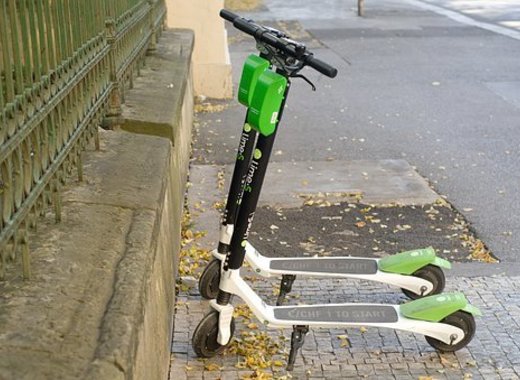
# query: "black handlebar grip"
[322,67]
[245,26]
[227,15]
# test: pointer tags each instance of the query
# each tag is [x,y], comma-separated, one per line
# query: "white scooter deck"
[325,315]
[337,267]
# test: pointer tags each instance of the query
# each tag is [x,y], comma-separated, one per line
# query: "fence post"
[153,38]
[114,111]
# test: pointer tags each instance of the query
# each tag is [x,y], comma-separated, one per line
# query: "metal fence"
[64,65]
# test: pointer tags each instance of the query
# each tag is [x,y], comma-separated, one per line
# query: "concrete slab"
[378,181]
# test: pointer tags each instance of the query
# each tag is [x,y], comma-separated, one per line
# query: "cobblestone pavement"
[494,352]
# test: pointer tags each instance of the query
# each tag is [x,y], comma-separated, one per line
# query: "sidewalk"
[369,353]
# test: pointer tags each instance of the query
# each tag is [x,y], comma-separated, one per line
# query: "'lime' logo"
[258,154]
[441,299]
[247,128]
[274,117]
[243,243]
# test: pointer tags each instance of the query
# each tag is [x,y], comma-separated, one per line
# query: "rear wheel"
[462,320]
[431,273]
[210,280]
[204,341]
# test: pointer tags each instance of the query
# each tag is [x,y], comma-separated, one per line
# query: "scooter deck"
[343,265]
[338,313]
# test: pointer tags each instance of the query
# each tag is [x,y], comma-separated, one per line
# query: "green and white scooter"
[447,320]
[418,273]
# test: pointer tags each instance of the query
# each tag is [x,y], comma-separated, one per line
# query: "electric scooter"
[447,320]
[418,272]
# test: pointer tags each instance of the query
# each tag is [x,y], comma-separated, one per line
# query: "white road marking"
[457,16]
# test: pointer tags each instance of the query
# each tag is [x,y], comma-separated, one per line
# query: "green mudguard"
[437,307]
[410,261]
[254,66]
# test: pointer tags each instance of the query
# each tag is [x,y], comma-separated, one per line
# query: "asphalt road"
[412,84]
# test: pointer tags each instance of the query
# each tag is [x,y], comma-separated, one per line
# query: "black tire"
[210,280]
[204,341]
[462,320]
[431,273]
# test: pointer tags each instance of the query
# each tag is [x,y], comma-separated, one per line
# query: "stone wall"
[100,303]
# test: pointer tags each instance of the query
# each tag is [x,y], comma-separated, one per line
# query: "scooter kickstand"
[297,340]
[285,287]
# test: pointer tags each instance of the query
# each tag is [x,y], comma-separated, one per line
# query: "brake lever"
[305,79]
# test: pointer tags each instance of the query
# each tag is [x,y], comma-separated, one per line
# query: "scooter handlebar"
[264,35]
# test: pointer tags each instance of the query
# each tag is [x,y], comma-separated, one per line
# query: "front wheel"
[204,341]
[463,321]
[431,273]
[210,280]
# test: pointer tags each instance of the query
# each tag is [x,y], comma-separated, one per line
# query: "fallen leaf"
[212,367]
[345,342]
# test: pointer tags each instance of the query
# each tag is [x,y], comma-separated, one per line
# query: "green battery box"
[266,102]
[253,68]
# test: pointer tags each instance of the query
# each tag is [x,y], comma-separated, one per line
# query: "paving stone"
[231,375]
[365,369]
[212,375]
[373,361]
[330,368]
